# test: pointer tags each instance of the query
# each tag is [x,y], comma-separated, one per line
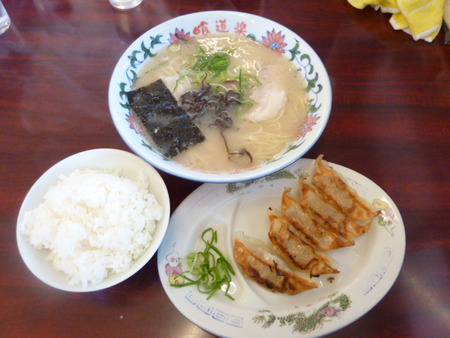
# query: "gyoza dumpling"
[334,218]
[334,188]
[261,264]
[313,232]
[295,250]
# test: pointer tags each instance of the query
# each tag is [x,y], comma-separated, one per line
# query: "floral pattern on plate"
[368,269]
[302,322]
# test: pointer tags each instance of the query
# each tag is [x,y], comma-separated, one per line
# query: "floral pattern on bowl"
[187,27]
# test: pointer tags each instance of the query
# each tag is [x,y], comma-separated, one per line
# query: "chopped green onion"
[215,70]
[247,81]
[213,63]
[209,269]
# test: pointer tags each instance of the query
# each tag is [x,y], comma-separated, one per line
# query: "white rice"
[94,223]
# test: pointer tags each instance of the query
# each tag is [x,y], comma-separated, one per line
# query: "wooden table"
[389,121]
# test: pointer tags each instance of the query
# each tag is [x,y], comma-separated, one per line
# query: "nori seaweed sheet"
[167,123]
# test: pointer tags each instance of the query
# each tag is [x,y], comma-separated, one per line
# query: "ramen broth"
[273,119]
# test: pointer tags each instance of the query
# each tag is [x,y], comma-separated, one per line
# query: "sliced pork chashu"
[338,192]
[312,230]
[333,217]
[259,263]
[297,252]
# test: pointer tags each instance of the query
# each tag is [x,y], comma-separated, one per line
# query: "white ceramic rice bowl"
[131,166]
[274,35]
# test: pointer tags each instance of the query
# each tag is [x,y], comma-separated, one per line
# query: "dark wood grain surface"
[389,121]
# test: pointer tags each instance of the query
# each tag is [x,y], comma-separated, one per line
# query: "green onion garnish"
[209,269]
[215,64]
[247,81]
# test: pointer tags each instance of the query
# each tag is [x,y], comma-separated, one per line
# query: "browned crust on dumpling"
[328,216]
[269,274]
[334,188]
[334,218]
[295,250]
[313,231]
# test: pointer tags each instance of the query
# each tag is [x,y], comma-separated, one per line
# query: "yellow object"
[386,6]
[420,18]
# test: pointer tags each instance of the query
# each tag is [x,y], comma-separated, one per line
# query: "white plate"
[368,269]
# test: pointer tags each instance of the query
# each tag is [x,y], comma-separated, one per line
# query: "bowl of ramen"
[220,96]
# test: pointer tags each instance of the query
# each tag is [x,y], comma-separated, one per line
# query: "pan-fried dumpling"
[261,264]
[313,231]
[334,218]
[335,189]
[294,250]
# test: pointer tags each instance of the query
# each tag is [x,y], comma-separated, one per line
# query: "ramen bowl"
[273,35]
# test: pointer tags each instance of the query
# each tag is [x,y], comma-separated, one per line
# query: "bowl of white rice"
[93,220]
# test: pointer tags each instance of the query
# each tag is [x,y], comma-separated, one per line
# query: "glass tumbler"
[125,4]
[5,21]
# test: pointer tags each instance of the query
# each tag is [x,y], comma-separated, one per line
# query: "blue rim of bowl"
[276,36]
